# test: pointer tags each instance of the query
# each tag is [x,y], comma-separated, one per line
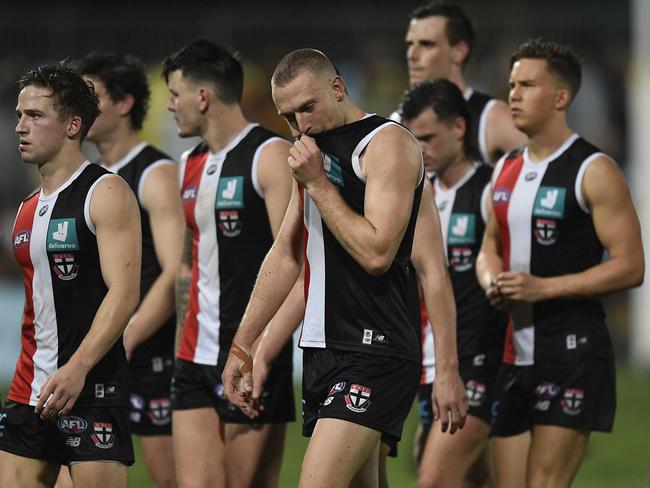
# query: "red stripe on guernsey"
[21,386]
[503,188]
[189,192]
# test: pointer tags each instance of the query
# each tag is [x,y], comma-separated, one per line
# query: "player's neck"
[453,173]
[352,113]
[456,76]
[545,142]
[58,170]
[222,126]
[116,146]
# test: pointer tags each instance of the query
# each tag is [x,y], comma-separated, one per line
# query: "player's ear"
[125,105]
[459,127]
[338,88]
[74,126]
[562,99]
[459,52]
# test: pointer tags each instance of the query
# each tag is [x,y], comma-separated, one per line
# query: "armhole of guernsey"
[182,164]
[497,170]
[482,131]
[256,163]
[580,198]
[89,195]
[146,172]
[485,194]
[356,165]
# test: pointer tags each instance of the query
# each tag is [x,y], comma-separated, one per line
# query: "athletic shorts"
[87,434]
[578,394]
[150,403]
[479,373]
[199,386]
[367,389]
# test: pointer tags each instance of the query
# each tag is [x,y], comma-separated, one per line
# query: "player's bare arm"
[449,401]
[617,227]
[489,263]
[183,282]
[392,166]
[278,274]
[502,136]
[116,217]
[161,200]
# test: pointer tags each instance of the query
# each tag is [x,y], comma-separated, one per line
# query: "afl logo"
[211,169]
[189,193]
[501,195]
[71,424]
[21,238]
[42,211]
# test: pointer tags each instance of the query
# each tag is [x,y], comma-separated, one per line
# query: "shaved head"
[300,61]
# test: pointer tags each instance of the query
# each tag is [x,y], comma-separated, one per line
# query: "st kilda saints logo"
[160,411]
[65,266]
[573,401]
[103,435]
[475,393]
[358,398]
[229,223]
[546,231]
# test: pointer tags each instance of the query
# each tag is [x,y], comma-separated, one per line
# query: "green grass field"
[620,459]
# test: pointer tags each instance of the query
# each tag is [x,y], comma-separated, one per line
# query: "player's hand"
[237,378]
[494,296]
[60,391]
[448,400]
[521,287]
[261,369]
[306,162]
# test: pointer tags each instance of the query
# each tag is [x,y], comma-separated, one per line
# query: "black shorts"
[479,373]
[87,434]
[578,394]
[199,386]
[150,400]
[367,389]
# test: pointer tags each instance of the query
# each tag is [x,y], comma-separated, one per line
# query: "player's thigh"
[448,457]
[253,454]
[337,451]
[64,480]
[99,474]
[198,446]
[158,456]
[22,472]
[555,455]
[509,457]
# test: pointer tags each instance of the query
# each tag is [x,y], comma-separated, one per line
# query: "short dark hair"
[560,60]
[71,94]
[122,74]
[201,60]
[294,63]
[458,27]
[446,100]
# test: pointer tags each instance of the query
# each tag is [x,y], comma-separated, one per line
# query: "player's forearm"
[108,325]
[155,309]
[275,280]
[488,266]
[283,324]
[182,291]
[358,236]
[607,277]
[441,309]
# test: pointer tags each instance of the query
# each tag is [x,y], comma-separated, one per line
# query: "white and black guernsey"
[546,230]
[134,169]
[347,308]
[463,215]
[479,105]
[226,214]
[55,245]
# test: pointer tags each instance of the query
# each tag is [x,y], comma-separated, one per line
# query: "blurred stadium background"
[366,41]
